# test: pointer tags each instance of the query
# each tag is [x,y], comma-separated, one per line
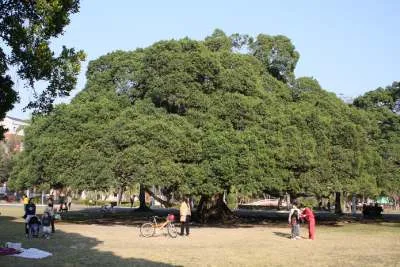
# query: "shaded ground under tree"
[257,245]
[68,249]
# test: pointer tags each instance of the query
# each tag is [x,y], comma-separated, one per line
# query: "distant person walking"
[50,201]
[185,213]
[25,200]
[308,215]
[132,199]
[69,202]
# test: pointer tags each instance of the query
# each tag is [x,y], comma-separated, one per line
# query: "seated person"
[33,226]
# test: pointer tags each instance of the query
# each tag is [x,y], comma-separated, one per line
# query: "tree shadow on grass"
[136,218]
[68,249]
[241,219]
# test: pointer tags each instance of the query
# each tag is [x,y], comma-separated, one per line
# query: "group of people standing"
[47,220]
[297,215]
[31,220]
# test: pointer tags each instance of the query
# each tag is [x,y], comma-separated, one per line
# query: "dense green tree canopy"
[201,117]
[5,165]
[384,98]
[383,107]
[26,28]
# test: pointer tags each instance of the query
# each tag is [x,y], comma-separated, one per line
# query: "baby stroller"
[33,227]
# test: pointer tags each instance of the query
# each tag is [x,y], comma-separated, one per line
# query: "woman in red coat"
[308,215]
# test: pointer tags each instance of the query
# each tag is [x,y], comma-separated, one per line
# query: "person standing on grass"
[46,225]
[294,222]
[132,199]
[308,215]
[25,200]
[30,211]
[50,210]
[50,200]
[185,213]
[69,202]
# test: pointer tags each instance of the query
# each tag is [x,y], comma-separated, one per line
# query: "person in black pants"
[30,211]
[185,213]
[50,211]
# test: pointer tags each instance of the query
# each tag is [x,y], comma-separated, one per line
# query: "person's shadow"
[284,235]
[68,249]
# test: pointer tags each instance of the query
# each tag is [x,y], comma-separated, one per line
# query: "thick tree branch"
[165,203]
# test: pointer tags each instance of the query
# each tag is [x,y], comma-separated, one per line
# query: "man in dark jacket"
[30,211]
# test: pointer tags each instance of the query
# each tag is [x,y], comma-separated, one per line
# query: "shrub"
[308,202]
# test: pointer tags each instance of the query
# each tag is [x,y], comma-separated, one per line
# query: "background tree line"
[224,114]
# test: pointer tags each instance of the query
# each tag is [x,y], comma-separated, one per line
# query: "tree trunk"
[345,206]
[213,209]
[120,192]
[280,203]
[142,199]
[288,201]
[338,203]
[201,209]
[167,204]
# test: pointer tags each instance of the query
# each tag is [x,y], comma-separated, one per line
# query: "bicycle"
[108,208]
[149,229]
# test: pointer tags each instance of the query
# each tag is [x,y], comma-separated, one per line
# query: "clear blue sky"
[350,46]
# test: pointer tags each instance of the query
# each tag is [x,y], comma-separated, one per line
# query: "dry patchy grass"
[104,245]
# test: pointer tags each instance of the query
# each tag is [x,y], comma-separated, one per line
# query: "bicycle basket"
[171,217]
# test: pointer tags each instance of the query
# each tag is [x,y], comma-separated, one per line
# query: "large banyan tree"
[203,118]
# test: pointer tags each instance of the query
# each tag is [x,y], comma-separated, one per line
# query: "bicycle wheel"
[172,230]
[147,230]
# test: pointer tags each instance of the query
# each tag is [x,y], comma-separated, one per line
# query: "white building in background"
[14,126]
[13,138]
[13,141]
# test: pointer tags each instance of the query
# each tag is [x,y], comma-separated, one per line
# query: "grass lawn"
[355,244]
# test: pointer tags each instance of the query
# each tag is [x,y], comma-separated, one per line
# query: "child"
[295,223]
[50,211]
[46,224]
